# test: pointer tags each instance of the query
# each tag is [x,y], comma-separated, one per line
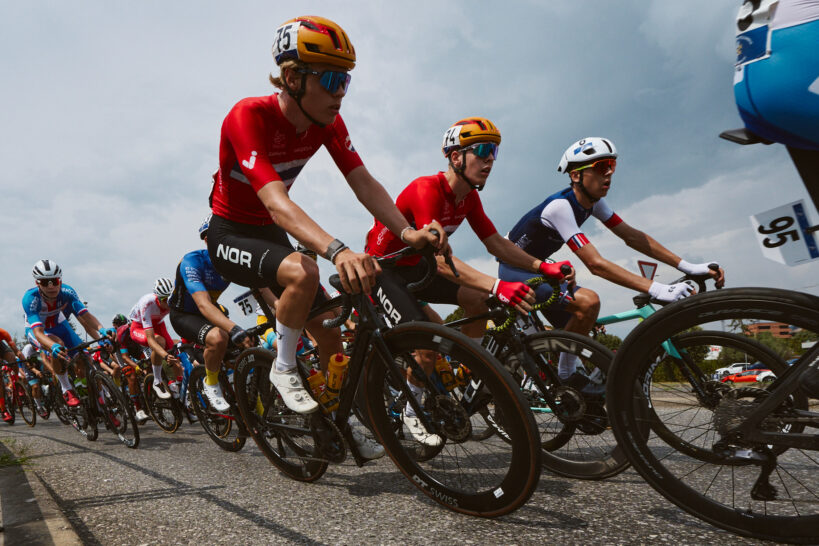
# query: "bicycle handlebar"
[428,255]
[534,282]
[643,298]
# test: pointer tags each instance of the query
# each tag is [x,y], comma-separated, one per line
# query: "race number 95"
[776,229]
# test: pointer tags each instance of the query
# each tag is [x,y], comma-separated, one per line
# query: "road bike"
[101,400]
[574,433]
[486,478]
[743,459]
[18,399]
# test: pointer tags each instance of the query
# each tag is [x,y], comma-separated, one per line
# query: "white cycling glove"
[694,269]
[669,292]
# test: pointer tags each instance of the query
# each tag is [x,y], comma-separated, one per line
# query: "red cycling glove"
[510,293]
[553,269]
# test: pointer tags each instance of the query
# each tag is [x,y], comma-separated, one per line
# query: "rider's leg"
[474,303]
[216,342]
[299,275]
[584,310]
[328,340]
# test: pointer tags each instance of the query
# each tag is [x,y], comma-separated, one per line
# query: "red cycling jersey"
[426,199]
[259,145]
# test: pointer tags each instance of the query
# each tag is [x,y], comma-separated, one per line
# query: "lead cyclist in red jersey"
[265,143]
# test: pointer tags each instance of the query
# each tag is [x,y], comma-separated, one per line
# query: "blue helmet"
[203,229]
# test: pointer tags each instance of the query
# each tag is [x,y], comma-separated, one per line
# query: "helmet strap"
[584,190]
[460,172]
[297,96]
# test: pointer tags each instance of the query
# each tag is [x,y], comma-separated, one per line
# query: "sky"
[112,115]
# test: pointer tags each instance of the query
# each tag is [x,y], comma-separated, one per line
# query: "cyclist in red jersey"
[9,353]
[265,143]
[470,146]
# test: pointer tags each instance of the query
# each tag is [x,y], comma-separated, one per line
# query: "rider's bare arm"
[471,277]
[375,199]
[91,324]
[211,313]
[644,243]
[610,271]
[508,252]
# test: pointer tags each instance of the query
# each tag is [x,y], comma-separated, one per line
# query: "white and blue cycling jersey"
[51,316]
[557,220]
[196,273]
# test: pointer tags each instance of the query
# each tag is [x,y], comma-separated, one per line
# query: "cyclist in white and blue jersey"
[47,308]
[556,221]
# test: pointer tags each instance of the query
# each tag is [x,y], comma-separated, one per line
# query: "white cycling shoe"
[141,417]
[161,390]
[369,449]
[215,397]
[292,390]
[419,433]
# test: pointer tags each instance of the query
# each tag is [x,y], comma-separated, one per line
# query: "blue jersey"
[195,273]
[47,315]
[557,220]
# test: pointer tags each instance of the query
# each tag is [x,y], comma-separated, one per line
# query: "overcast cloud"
[112,112]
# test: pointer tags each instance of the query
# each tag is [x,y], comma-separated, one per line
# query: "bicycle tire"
[459,477]
[165,412]
[580,448]
[8,398]
[220,427]
[25,404]
[118,414]
[283,436]
[725,501]
[59,406]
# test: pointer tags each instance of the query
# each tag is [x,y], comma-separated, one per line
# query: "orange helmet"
[313,39]
[470,131]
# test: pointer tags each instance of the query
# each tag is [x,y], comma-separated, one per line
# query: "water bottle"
[336,370]
[445,373]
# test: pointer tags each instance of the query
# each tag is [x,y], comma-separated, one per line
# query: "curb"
[29,514]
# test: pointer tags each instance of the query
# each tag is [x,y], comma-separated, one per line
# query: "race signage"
[785,235]
[246,302]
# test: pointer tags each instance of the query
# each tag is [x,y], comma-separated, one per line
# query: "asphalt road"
[182,489]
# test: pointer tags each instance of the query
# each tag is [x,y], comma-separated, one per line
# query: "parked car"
[750,376]
[736,367]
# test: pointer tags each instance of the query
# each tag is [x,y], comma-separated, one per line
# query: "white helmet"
[163,287]
[584,151]
[46,269]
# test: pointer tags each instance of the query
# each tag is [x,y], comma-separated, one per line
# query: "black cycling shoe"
[583,384]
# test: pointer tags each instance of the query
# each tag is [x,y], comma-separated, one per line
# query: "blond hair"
[289,64]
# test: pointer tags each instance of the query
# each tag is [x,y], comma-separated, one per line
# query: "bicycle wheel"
[577,441]
[221,427]
[116,410]
[486,478]
[286,438]
[688,396]
[58,404]
[8,395]
[25,404]
[722,491]
[165,412]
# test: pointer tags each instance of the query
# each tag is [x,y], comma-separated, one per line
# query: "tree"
[610,340]
[455,315]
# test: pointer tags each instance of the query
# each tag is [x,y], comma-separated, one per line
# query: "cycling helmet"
[469,131]
[586,150]
[163,287]
[203,229]
[313,39]
[46,269]
[119,320]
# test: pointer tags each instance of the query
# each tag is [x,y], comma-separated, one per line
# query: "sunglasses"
[484,150]
[331,80]
[54,281]
[601,166]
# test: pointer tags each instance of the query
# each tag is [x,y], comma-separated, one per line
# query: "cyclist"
[265,142]
[31,369]
[148,329]
[9,353]
[470,147]
[196,317]
[590,164]
[47,308]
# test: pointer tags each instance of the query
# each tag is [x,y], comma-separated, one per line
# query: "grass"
[16,454]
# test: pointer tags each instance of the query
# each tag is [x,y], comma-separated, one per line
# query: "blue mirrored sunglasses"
[331,80]
[484,150]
